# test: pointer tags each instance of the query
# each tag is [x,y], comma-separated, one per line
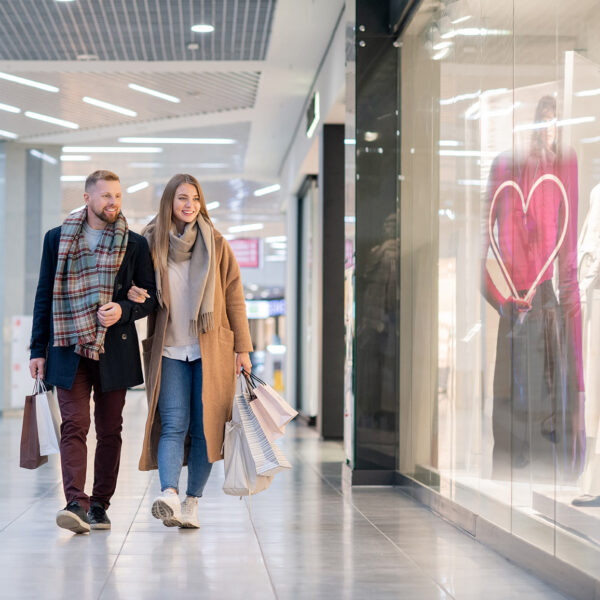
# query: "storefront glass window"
[499,273]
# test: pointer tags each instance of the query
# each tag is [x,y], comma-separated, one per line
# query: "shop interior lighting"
[29,82]
[108,106]
[350,219]
[73,178]
[467,153]
[75,158]
[317,115]
[475,32]
[473,95]
[450,143]
[174,140]
[442,45]
[279,246]
[8,134]
[203,28]
[267,190]
[585,93]
[142,185]
[213,205]
[274,239]
[590,140]
[249,227]
[53,120]
[441,54]
[461,19]
[350,142]
[559,123]
[473,182]
[9,108]
[111,150]
[155,93]
[43,156]
[276,258]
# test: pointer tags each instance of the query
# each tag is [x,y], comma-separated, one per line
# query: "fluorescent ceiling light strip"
[350,142]
[276,238]
[575,121]
[585,93]
[267,190]
[29,82]
[350,219]
[249,227]
[66,178]
[441,54]
[276,258]
[8,134]
[279,245]
[111,150]
[53,120]
[9,108]
[475,31]
[213,205]
[108,106]
[449,143]
[591,140]
[142,185]
[317,116]
[561,123]
[42,156]
[150,92]
[169,140]
[474,182]
[75,158]
[475,153]
[461,19]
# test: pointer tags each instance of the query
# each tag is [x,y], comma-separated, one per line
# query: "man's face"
[104,200]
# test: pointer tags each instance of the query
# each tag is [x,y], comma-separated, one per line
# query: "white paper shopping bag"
[48,421]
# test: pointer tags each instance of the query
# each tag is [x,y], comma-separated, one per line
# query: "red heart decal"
[525,205]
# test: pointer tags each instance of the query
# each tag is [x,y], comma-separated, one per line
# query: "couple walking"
[96,279]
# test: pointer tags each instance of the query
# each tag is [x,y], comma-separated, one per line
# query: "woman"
[197,341]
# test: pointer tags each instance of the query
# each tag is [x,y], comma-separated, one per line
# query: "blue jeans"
[180,409]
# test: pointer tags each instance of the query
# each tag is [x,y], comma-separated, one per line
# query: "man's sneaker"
[74,518]
[98,517]
[167,508]
[189,513]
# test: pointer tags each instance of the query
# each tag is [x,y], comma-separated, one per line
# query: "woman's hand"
[242,360]
[137,294]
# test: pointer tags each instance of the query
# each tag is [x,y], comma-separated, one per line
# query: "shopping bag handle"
[39,386]
[252,377]
[249,385]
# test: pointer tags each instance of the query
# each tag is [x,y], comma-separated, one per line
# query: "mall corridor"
[304,538]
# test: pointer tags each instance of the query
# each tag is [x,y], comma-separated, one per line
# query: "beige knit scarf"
[197,243]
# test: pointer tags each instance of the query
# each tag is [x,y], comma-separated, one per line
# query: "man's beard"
[106,218]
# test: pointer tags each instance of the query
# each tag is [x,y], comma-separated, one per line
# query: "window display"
[499,265]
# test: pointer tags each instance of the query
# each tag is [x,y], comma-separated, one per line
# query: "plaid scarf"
[84,282]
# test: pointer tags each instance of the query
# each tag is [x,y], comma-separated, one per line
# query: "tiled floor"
[307,539]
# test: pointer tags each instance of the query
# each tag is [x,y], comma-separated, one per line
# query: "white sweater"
[179,344]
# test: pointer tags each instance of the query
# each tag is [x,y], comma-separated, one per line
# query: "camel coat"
[231,334]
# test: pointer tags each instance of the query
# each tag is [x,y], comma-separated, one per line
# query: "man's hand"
[109,314]
[37,366]
[242,360]
[137,294]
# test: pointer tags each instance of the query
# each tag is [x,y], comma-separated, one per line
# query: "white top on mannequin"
[589,244]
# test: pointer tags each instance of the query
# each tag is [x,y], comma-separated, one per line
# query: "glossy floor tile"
[305,538]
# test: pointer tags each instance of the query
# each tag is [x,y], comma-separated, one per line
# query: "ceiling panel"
[134,29]
[200,93]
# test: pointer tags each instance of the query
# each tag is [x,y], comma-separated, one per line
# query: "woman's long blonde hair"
[160,226]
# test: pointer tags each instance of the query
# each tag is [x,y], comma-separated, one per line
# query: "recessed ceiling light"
[75,158]
[213,205]
[249,227]
[267,190]
[175,140]
[193,46]
[137,187]
[72,178]
[111,150]
[203,28]
[109,106]
[9,108]
[53,120]
[29,82]
[8,134]
[145,90]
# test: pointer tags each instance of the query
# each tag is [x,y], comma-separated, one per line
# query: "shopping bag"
[268,457]
[241,478]
[48,421]
[271,410]
[30,457]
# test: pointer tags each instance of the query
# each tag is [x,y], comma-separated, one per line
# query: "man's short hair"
[97,176]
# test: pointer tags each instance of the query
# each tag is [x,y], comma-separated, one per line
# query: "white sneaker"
[167,508]
[189,513]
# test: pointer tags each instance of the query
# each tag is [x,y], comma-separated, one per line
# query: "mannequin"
[589,277]
[539,398]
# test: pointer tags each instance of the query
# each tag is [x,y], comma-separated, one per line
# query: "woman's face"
[186,204]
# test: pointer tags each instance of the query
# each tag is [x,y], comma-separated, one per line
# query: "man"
[84,338]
